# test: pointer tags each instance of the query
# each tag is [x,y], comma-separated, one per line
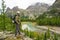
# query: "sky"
[23,4]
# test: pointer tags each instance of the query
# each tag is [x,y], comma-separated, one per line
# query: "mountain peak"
[38,4]
[38,8]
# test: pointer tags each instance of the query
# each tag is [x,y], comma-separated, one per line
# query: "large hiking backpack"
[13,19]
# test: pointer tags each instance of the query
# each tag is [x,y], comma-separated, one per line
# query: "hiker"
[17,23]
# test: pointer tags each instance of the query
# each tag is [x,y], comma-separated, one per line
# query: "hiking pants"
[17,29]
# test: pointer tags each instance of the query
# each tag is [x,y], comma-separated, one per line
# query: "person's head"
[18,13]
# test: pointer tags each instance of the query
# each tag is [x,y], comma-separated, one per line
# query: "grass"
[41,36]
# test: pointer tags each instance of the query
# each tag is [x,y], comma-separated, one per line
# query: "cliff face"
[38,8]
[55,9]
[56,4]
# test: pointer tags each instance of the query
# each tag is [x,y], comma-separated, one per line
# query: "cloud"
[25,3]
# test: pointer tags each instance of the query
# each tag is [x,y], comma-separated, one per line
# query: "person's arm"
[17,20]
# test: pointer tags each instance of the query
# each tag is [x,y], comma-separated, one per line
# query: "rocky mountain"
[56,5]
[32,11]
[15,9]
[37,8]
[11,12]
[54,10]
[8,10]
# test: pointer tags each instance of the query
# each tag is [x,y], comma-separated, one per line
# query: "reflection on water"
[28,26]
[31,27]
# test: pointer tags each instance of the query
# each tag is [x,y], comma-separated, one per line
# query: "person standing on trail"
[17,23]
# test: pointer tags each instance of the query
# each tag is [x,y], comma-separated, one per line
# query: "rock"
[27,38]
[8,36]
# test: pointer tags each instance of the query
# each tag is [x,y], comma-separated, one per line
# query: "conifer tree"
[3,13]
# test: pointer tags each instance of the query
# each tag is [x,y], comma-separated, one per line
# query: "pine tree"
[3,7]
[3,13]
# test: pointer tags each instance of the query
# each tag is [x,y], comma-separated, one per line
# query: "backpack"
[13,19]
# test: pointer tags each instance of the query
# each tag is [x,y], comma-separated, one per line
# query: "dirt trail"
[56,29]
[53,29]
